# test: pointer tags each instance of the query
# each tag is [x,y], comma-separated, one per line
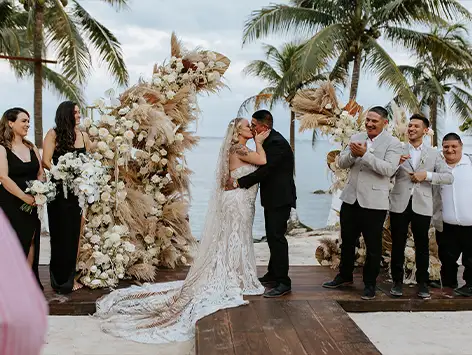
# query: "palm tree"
[278,63]
[443,79]
[69,32]
[348,31]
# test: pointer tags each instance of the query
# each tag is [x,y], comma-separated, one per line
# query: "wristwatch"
[235,183]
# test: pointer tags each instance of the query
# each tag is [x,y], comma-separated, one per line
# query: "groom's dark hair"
[264,117]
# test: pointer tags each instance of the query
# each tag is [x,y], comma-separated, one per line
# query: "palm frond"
[64,35]
[118,4]
[263,70]
[283,19]
[107,45]
[461,103]
[256,101]
[389,74]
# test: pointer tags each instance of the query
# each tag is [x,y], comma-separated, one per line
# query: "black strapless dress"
[26,225]
[65,217]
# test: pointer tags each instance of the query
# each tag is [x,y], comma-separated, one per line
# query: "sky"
[144,31]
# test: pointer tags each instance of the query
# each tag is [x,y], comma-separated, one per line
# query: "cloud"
[144,32]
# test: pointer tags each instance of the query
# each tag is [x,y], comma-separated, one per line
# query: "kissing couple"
[225,267]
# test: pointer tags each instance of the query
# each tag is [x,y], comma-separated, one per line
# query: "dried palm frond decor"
[319,108]
[141,221]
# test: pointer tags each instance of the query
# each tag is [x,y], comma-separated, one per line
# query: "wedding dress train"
[224,271]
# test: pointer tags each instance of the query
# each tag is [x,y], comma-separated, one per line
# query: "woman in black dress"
[64,214]
[20,162]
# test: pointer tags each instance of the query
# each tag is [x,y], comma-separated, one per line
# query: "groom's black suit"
[278,196]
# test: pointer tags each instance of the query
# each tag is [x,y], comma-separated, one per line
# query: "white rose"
[155,179]
[119,258]
[102,146]
[328,106]
[109,154]
[120,185]
[87,122]
[201,65]
[156,80]
[93,269]
[161,198]
[124,148]
[164,161]
[93,131]
[95,239]
[128,124]
[149,239]
[120,161]
[123,111]
[103,132]
[129,135]
[170,95]
[87,279]
[40,200]
[111,121]
[163,152]
[104,275]
[155,158]
[185,77]
[96,282]
[144,170]
[105,196]
[179,137]
[107,219]
[135,126]
[118,140]
[130,248]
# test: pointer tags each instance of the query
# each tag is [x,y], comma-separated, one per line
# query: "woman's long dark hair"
[6,133]
[65,127]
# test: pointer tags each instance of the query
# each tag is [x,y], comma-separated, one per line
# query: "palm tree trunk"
[38,74]
[356,73]
[433,116]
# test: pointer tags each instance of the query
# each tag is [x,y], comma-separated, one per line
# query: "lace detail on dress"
[220,276]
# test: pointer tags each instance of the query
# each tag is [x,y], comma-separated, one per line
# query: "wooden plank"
[338,323]
[314,337]
[280,333]
[213,335]
[359,349]
[248,336]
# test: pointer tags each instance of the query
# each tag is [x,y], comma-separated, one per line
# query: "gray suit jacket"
[437,220]
[422,201]
[369,177]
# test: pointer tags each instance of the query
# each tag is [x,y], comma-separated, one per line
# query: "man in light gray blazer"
[411,201]
[372,157]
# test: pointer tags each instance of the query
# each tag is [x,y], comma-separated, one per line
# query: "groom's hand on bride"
[231,184]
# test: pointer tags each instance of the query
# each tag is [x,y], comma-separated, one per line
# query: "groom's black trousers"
[276,227]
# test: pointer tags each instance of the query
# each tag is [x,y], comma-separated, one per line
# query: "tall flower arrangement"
[140,221]
[320,109]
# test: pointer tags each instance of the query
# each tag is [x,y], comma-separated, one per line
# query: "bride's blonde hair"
[237,128]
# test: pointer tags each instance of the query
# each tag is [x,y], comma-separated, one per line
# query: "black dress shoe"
[337,282]
[423,291]
[278,291]
[397,289]
[465,290]
[369,293]
[267,281]
[437,284]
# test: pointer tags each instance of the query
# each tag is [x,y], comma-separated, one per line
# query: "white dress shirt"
[457,198]
[371,141]
[415,156]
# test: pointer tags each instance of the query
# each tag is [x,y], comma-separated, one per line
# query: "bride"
[224,269]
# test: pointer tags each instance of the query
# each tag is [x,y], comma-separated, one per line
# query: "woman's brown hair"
[6,133]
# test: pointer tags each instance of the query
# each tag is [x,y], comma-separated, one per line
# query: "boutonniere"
[371,150]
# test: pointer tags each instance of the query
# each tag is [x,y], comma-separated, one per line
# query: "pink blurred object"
[23,308]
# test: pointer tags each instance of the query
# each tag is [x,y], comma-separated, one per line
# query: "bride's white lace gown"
[223,272]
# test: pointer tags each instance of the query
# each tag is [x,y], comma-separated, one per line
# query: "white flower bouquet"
[43,192]
[82,174]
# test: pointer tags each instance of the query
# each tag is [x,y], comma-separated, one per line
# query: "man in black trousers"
[278,196]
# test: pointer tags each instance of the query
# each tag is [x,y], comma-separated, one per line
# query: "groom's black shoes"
[267,281]
[369,292]
[278,291]
[337,282]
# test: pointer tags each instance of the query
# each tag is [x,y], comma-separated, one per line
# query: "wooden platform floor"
[310,320]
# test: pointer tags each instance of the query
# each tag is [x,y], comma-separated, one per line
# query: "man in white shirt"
[453,217]
[411,201]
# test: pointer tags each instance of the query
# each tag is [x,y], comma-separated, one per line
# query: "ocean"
[311,175]
[311,170]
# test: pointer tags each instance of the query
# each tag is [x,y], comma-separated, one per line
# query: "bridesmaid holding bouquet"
[20,163]
[64,212]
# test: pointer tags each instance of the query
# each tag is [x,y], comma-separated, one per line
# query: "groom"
[278,196]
